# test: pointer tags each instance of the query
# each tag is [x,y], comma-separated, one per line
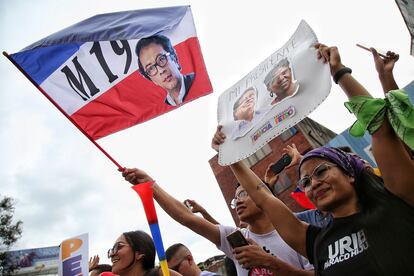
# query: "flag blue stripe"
[42,62]
[115,26]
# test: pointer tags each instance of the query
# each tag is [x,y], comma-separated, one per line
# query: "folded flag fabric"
[300,197]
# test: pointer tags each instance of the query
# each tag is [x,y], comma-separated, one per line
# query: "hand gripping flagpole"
[144,191]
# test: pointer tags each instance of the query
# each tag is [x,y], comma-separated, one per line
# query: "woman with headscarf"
[373,218]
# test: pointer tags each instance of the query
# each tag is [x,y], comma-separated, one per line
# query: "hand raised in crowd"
[218,138]
[329,55]
[384,65]
[93,262]
[136,176]
[270,177]
[195,207]
[293,152]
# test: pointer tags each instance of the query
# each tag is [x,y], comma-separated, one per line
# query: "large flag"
[115,70]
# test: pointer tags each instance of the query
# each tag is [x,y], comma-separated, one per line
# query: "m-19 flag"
[115,70]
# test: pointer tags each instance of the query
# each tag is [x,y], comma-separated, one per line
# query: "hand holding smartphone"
[236,239]
[281,164]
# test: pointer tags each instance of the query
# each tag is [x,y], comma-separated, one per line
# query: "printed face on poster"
[276,95]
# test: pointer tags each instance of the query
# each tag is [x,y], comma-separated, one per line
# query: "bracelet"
[338,74]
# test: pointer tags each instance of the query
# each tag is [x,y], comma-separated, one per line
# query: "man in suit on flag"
[158,62]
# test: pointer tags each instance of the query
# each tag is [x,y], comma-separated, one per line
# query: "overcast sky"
[64,186]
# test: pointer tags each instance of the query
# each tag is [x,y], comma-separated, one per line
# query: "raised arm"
[397,168]
[174,208]
[384,67]
[289,227]
[197,208]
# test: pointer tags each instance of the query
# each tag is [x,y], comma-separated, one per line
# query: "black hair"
[101,268]
[143,243]
[156,39]
[370,190]
[153,271]
[172,250]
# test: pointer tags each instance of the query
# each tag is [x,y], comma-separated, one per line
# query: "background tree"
[9,233]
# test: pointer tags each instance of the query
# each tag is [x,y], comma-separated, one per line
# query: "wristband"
[338,75]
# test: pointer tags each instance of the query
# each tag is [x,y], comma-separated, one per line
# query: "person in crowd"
[280,82]
[180,259]
[367,210]
[95,268]
[158,62]
[267,251]
[245,113]
[133,254]
[315,217]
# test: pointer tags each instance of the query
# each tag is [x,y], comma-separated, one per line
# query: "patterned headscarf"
[351,164]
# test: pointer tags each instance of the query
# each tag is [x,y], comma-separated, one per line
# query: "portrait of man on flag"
[159,63]
[115,70]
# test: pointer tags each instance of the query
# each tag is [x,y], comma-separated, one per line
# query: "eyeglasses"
[239,196]
[177,266]
[161,60]
[320,173]
[112,251]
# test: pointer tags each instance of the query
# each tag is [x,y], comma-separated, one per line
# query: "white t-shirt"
[271,243]
[208,273]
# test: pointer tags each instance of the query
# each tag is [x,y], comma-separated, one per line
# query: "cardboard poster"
[276,95]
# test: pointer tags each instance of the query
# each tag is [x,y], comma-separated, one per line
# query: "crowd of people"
[363,223]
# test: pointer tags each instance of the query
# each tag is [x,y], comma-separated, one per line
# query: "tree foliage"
[10,232]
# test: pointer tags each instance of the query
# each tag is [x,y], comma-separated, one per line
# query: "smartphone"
[236,239]
[365,47]
[281,164]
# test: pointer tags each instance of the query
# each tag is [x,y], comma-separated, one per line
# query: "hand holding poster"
[280,92]
[73,256]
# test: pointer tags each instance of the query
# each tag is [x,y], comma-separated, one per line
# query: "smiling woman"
[133,254]
[367,210]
